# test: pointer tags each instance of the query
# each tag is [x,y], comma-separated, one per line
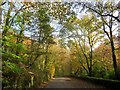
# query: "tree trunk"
[113,53]
[91,57]
[90,71]
[114,60]
[46,61]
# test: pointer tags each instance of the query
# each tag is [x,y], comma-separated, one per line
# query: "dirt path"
[66,82]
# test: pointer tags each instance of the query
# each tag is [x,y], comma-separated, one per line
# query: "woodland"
[43,40]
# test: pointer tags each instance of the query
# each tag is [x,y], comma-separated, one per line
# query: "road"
[66,82]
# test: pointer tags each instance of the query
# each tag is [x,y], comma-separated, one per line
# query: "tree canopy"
[41,40]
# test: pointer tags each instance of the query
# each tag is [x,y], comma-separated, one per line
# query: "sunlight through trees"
[34,51]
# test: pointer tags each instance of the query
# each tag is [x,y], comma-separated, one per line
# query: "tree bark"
[114,57]
[46,61]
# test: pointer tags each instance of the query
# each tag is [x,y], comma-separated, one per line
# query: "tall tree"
[106,11]
[87,33]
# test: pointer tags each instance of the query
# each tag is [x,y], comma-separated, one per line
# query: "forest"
[43,40]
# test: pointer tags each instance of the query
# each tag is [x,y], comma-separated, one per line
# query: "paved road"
[66,82]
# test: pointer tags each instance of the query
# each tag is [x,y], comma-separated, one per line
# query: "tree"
[86,34]
[106,11]
[109,7]
[103,61]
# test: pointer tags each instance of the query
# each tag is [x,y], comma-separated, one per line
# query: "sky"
[56,0]
[54,24]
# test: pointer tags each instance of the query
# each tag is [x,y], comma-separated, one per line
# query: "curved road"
[66,82]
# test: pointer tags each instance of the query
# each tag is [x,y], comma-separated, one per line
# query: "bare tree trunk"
[90,67]
[110,36]
[114,59]
[113,50]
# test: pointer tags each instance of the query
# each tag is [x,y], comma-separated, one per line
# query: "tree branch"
[116,18]
[11,21]
[106,31]
[3,3]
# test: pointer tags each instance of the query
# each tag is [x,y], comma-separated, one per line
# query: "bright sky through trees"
[42,40]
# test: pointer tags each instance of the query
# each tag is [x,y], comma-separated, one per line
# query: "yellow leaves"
[52,71]
[28,5]
[104,54]
[77,21]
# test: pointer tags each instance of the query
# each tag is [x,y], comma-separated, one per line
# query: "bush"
[109,75]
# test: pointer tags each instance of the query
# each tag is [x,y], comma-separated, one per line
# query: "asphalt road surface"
[66,82]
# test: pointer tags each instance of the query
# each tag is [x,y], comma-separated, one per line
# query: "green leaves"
[20,47]
[13,67]
[11,56]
